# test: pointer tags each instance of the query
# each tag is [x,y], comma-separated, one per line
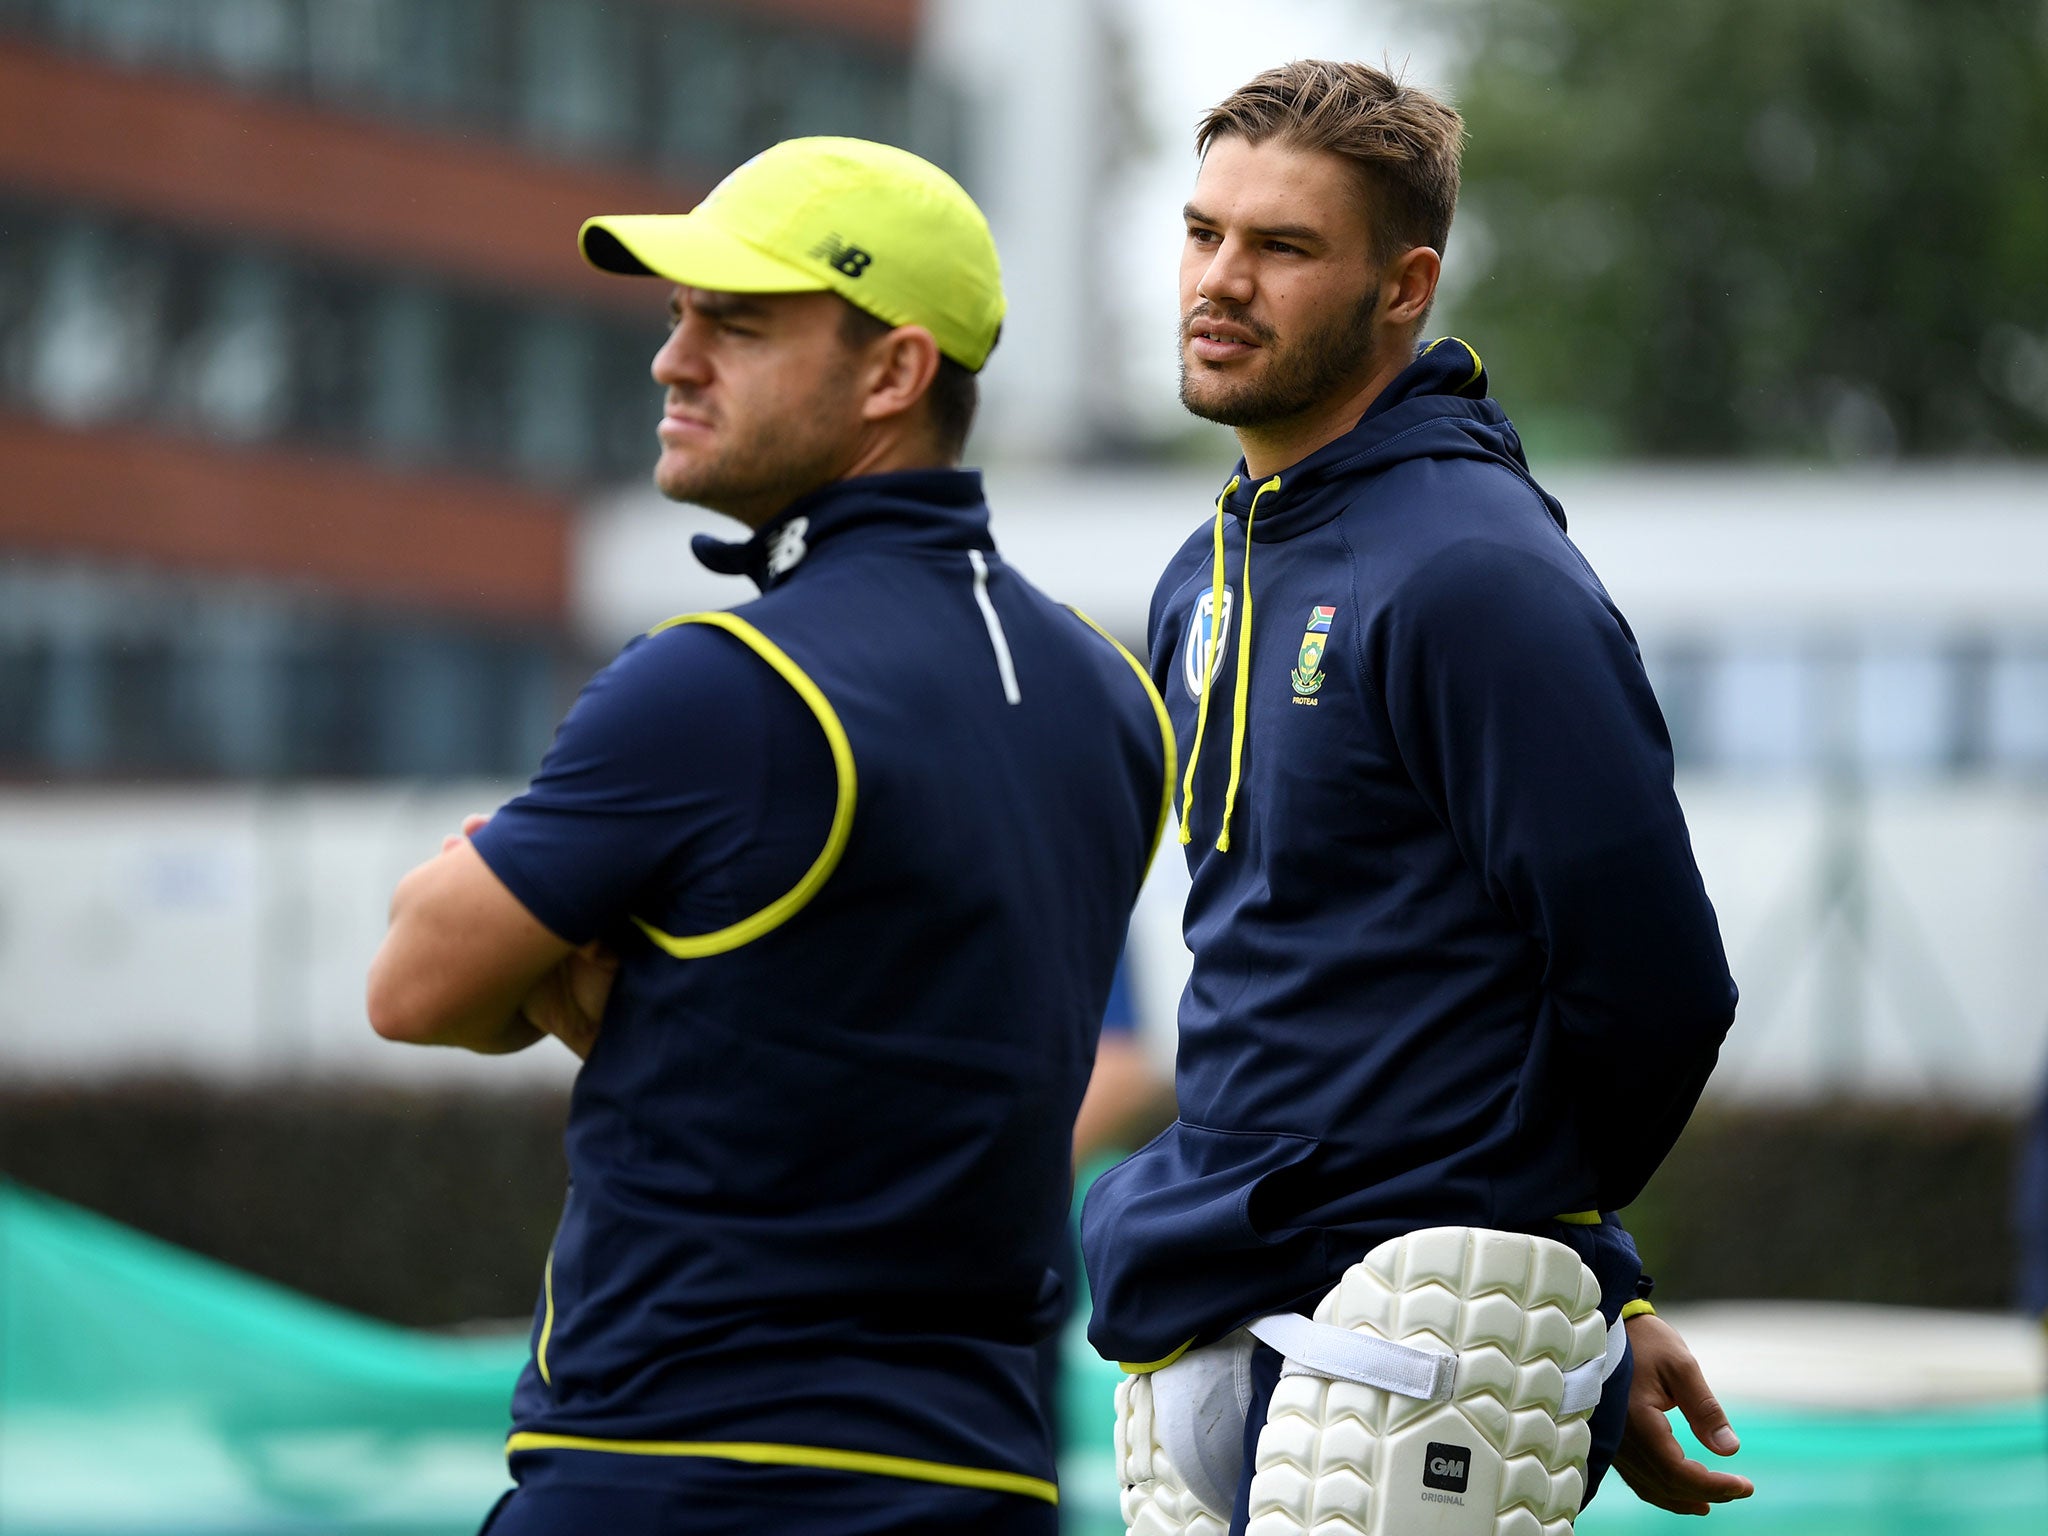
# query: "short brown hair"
[954,395]
[1404,142]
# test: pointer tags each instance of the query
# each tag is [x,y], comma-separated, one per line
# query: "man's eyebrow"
[725,306]
[1300,232]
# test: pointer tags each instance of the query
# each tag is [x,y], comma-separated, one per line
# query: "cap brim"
[688,248]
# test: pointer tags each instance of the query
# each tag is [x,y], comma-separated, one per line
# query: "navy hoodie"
[1453,962]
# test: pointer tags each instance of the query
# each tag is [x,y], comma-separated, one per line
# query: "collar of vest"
[930,508]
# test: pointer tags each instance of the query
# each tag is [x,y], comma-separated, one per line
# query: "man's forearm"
[440,979]
[401,1010]
[487,1036]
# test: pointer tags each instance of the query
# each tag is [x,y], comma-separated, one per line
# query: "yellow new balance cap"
[889,232]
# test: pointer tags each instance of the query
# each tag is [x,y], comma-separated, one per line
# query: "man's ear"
[1408,286]
[900,368]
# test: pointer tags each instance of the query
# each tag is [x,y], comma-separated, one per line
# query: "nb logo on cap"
[850,260]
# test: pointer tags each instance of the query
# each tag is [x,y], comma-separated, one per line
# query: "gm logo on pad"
[1446,1466]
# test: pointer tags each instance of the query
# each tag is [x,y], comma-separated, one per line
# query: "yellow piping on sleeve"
[1580,1218]
[547,1320]
[1209,652]
[792,901]
[767,1454]
[1244,668]
[1165,732]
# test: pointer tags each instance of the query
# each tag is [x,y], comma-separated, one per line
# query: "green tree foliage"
[1813,228]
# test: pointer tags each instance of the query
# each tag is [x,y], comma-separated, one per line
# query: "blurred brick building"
[300,374]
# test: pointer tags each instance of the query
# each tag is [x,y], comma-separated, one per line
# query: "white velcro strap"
[1583,1385]
[1323,1349]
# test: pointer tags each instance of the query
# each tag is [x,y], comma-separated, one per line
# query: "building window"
[1906,717]
[2017,709]
[1880,709]
[576,77]
[107,318]
[1759,713]
[106,674]
[632,81]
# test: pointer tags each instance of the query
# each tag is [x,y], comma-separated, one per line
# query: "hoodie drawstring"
[1209,647]
[1244,656]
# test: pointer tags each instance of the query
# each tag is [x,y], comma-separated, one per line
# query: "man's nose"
[1228,277]
[681,359]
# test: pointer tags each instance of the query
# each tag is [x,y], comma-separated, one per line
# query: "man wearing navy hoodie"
[1453,962]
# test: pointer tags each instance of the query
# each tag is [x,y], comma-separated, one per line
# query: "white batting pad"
[1180,1440]
[1500,1457]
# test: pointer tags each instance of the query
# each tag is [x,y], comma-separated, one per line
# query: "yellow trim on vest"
[1637,1308]
[1172,759]
[792,901]
[1580,1218]
[765,1454]
[1244,672]
[547,1320]
[1209,653]
[1130,1368]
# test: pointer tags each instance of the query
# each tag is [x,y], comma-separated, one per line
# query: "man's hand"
[1649,1460]
[472,824]
[568,1002]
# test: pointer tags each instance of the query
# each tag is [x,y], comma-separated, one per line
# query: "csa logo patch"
[1308,666]
[1201,625]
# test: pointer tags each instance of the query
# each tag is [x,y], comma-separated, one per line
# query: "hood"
[1435,408]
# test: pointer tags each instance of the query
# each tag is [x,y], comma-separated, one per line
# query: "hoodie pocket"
[1191,1236]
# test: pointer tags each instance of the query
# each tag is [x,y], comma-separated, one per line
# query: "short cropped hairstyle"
[1404,142]
[955,393]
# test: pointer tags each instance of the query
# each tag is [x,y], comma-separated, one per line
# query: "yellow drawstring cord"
[1187,784]
[1209,650]
[1244,672]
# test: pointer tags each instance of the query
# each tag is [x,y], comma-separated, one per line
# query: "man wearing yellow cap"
[828,891]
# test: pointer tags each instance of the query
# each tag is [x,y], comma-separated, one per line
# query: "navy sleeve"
[2030,1210]
[653,799]
[1119,1017]
[1522,712]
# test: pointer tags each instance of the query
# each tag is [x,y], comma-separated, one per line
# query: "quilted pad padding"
[1156,1500]
[1498,1459]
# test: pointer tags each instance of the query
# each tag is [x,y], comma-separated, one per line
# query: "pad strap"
[1582,1386]
[1340,1354]
[1323,1349]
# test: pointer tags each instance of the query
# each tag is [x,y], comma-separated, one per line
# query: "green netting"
[146,1391]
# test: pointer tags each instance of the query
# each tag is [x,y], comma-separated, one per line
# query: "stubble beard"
[1297,377]
[763,467]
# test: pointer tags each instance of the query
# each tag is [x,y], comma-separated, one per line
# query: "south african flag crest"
[1308,669]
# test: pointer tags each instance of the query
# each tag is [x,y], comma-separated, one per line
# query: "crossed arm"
[465,964]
